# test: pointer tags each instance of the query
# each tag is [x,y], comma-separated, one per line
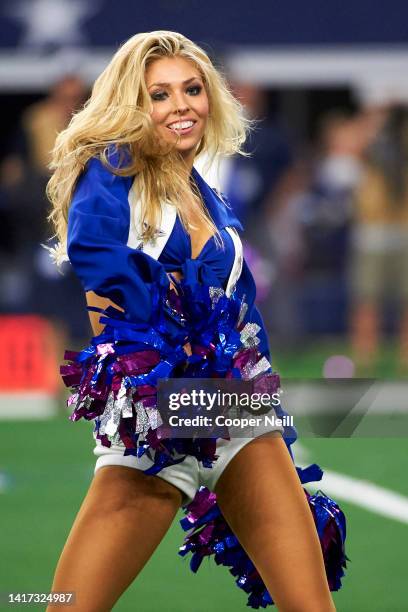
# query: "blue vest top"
[99,221]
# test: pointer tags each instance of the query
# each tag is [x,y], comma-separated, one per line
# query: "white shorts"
[189,474]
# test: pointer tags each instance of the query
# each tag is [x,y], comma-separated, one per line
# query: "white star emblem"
[52,22]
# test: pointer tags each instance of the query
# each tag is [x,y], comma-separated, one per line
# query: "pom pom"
[114,380]
[211,536]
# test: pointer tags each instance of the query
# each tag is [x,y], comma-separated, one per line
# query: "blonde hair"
[117,115]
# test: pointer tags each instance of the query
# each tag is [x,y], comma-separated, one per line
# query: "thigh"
[226,451]
[121,521]
[261,497]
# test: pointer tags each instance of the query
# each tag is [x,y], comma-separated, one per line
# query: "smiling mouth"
[181,127]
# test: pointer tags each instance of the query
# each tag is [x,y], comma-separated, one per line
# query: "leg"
[365,326]
[123,518]
[260,496]
[369,273]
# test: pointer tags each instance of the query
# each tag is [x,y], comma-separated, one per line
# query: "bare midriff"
[93,299]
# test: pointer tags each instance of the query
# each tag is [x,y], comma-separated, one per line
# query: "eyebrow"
[168,84]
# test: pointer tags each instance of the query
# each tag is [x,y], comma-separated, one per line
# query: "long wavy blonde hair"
[117,115]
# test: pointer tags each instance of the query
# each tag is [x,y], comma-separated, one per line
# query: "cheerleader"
[170,294]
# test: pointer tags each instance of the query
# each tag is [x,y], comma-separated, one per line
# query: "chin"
[187,148]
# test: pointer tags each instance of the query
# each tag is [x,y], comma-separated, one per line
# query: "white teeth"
[182,125]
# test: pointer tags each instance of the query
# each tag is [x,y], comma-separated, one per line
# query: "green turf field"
[47,467]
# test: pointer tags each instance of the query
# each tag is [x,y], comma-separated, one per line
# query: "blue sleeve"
[98,230]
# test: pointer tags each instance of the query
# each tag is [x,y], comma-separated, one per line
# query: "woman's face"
[180,103]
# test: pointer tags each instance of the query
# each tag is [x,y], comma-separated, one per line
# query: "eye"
[194,90]
[159,95]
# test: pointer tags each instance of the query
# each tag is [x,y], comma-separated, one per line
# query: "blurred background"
[324,202]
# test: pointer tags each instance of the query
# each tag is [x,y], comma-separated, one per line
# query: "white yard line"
[359,492]
[363,493]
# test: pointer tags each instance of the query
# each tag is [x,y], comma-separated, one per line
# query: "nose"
[180,104]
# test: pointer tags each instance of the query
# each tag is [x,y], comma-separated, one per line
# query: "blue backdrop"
[213,22]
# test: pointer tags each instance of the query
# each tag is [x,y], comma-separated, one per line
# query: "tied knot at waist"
[195,271]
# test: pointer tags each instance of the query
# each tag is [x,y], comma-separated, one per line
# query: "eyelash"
[162,93]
